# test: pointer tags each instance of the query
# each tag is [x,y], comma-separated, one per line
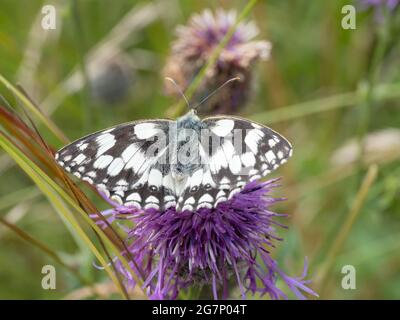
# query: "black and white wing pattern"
[123,162]
[134,164]
[240,151]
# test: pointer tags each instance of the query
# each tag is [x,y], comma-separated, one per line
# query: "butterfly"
[187,164]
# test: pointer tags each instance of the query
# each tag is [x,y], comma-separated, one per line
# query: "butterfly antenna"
[215,91]
[179,90]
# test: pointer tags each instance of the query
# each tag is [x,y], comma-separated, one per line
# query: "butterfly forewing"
[122,162]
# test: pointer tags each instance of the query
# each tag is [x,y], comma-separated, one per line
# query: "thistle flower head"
[390,4]
[214,247]
[111,79]
[194,46]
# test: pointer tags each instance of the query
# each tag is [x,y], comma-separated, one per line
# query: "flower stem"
[367,104]
[85,93]
[347,225]
[342,100]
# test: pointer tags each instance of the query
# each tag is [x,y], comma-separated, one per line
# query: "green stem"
[44,248]
[54,192]
[34,110]
[85,92]
[372,79]
[347,225]
[15,197]
[342,100]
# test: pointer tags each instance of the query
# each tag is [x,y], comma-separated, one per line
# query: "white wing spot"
[115,167]
[190,200]
[266,172]
[132,204]
[168,183]
[228,148]
[187,207]
[196,178]
[170,204]
[78,159]
[117,199]
[83,146]
[252,139]
[91,174]
[145,130]
[155,178]
[233,192]
[225,180]
[134,197]
[152,199]
[235,164]
[87,179]
[103,161]
[270,155]
[122,183]
[223,127]
[256,177]
[248,159]
[169,198]
[105,141]
[136,161]
[128,153]
[206,198]
[151,206]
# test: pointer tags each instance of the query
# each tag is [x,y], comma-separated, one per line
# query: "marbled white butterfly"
[186,164]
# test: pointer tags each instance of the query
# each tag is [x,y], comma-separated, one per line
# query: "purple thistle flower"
[390,4]
[209,247]
[379,7]
[194,46]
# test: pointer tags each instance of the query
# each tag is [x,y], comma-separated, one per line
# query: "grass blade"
[354,212]
[55,193]
[34,110]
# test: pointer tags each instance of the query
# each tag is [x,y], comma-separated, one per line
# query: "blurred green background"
[314,61]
